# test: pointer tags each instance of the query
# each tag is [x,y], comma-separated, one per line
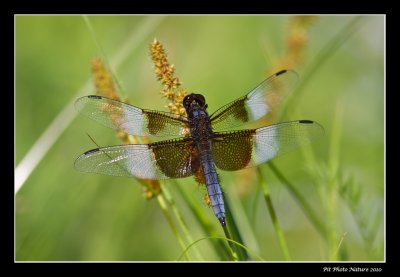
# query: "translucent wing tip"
[81,100]
[317,129]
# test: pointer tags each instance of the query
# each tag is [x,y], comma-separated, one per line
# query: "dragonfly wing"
[160,160]
[130,119]
[258,103]
[247,148]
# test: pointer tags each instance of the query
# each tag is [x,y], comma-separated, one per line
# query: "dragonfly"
[201,143]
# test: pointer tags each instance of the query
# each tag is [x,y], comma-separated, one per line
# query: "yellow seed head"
[165,74]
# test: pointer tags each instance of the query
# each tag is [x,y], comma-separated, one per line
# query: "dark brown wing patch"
[233,150]
[175,160]
[159,122]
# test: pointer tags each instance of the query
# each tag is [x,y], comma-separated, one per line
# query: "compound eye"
[187,100]
[200,99]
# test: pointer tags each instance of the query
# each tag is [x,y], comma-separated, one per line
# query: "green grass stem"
[207,225]
[232,242]
[232,229]
[274,218]
[164,209]
[308,211]
[180,219]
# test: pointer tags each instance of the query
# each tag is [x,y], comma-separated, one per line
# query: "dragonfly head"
[194,101]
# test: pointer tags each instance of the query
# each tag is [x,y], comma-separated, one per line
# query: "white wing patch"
[132,126]
[266,146]
[142,166]
[256,105]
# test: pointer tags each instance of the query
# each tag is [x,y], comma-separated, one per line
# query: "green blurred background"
[62,214]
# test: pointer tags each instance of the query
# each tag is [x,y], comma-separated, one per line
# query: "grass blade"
[274,218]
[180,219]
[205,222]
